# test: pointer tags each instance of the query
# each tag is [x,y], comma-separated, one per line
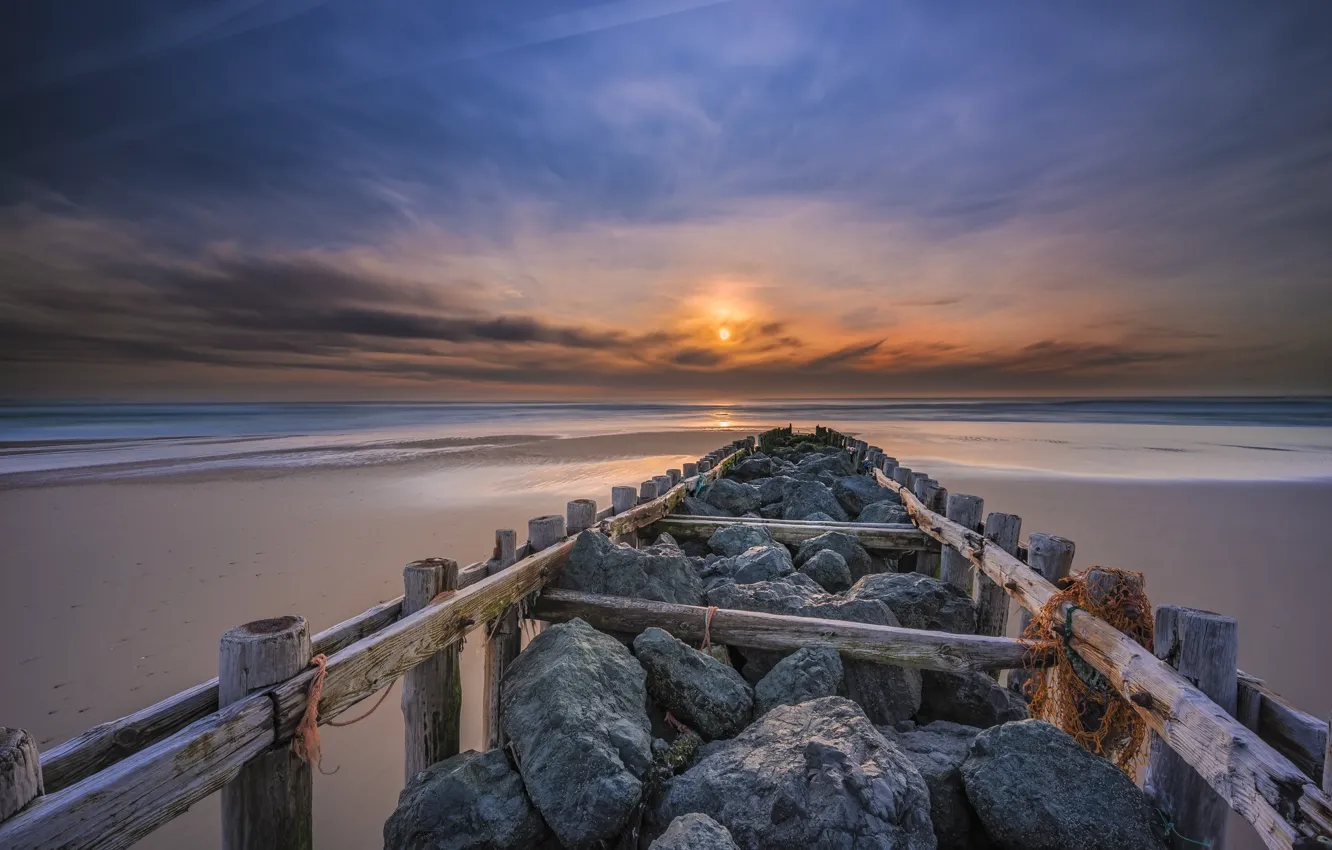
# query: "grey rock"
[921,601]
[751,468]
[660,573]
[574,705]
[731,497]
[770,489]
[857,492]
[810,775]
[734,539]
[857,559]
[1034,787]
[694,832]
[773,511]
[972,698]
[806,674]
[838,464]
[937,751]
[665,539]
[699,690]
[819,516]
[802,498]
[829,571]
[886,692]
[884,512]
[762,563]
[694,506]
[472,801]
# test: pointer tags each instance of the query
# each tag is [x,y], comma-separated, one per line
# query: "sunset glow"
[724,334]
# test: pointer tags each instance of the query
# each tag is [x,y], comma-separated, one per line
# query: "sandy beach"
[119,591]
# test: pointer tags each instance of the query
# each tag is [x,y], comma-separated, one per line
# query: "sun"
[724,334]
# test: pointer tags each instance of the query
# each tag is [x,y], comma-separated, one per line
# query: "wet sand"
[117,593]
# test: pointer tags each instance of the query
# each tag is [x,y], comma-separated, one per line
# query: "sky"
[532,199]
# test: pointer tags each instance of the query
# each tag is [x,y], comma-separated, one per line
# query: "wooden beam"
[944,651]
[885,537]
[1285,807]
[107,743]
[20,771]
[1297,735]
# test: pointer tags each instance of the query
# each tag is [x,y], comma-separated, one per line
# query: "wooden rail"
[890,537]
[1286,808]
[951,653]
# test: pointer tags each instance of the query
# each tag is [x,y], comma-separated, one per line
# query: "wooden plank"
[432,690]
[1297,735]
[883,644]
[107,743]
[20,771]
[885,537]
[1286,809]
[1204,648]
[270,802]
[113,809]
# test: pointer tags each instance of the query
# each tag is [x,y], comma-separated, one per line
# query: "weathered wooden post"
[270,802]
[505,642]
[927,563]
[663,484]
[543,532]
[902,475]
[647,491]
[432,690]
[622,499]
[889,464]
[581,515]
[913,481]
[1204,648]
[1052,557]
[690,470]
[992,612]
[1327,760]
[675,476]
[20,771]
[955,568]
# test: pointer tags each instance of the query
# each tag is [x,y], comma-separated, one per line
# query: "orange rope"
[306,743]
[707,626]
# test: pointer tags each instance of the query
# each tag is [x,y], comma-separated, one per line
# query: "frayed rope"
[306,744]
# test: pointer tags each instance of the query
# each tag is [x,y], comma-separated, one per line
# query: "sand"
[116,593]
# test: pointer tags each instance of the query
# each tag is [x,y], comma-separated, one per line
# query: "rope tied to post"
[1072,694]
[306,744]
[707,627]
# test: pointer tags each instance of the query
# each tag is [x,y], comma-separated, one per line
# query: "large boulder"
[761,563]
[731,497]
[751,468]
[1034,787]
[734,539]
[574,705]
[694,832]
[884,512]
[857,559]
[802,498]
[857,492]
[472,801]
[810,775]
[661,573]
[806,674]
[837,464]
[696,688]
[886,692]
[694,506]
[773,511]
[829,571]
[937,751]
[770,490]
[972,698]
[921,601]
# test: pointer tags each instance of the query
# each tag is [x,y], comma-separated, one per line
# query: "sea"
[1150,438]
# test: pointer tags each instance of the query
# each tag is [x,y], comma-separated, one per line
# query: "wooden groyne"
[1222,739]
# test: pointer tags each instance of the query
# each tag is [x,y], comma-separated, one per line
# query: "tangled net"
[1071,694]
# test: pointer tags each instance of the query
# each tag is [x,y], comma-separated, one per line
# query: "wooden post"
[992,615]
[622,499]
[690,470]
[269,803]
[431,691]
[581,514]
[889,464]
[1204,648]
[647,491]
[20,771]
[675,475]
[505,641]
[914,480]
[902,475]
[1052,557]
[663,484]
[927,563]
[1327,760]
[956,568]
[544,532]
